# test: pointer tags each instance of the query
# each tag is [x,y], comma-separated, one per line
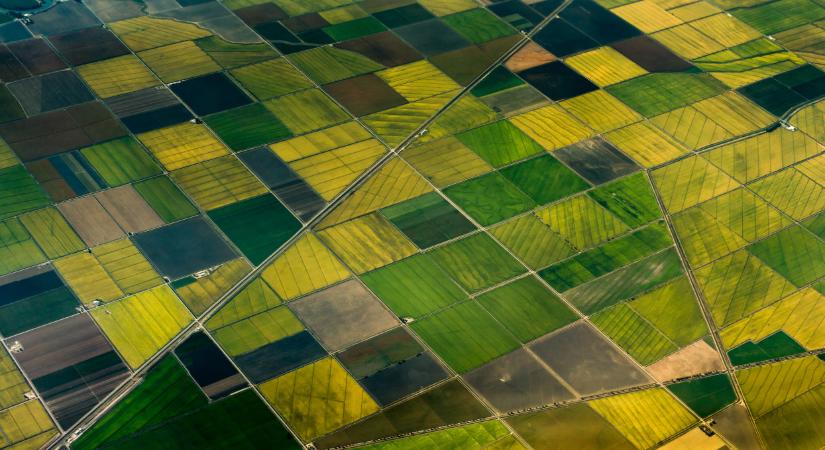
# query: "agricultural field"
[412,224]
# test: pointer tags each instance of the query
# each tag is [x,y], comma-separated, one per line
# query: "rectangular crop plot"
[49,92]
[517,381]
[209,367]
[587,361]
[477,262]
[465,336]
[343,314]
[257,226]
[59,131]
[31,298]
[71,364]
[184,247]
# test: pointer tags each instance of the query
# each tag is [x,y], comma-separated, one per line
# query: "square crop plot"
[596,160]
[377,353]
[562,39]
[432,37]
[210,94]
[148,109]
[184,247]
[71,364]
[490,198]
[557,81]
[517,381]
[88,45]
[343,315]
[257,226]
[544,179]
[49,92]
[36,56]
[587,361]
[428,220]
[11,69]
[597,22]
[365,94]
[248,126]
[400,380]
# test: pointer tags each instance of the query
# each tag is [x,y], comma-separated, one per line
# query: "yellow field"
[646,417]
[814,168]
[320,141]
[12,382]
[745,214]
[601,111]
[446,161]
[306,266]
[52,233]
[87,278]
[117,76]
[799,316]
[179,61]
[7,157]
[306,110]
[468,112]
[769,386]
[330,172]
[645,144]
[138,326]
[396,124]
[647,16]
[690,181]
[551,127]
[417,80]
[581,221]
[255,298]
[740,284]
[258,330]
[532,241]
[343,14]
[394,182]
[127,266]
[703,238]
[271,78]
[734,112]
[605,66]
[318,398]
[811,120]
[26,421]
[141,33]
[693,11]
[726,30]
[183,145]
[691,127]
[695,439]
[445,7]
[794,193]
[367,243]
[218,182]
[688,42]
[760,155]
[201,293]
